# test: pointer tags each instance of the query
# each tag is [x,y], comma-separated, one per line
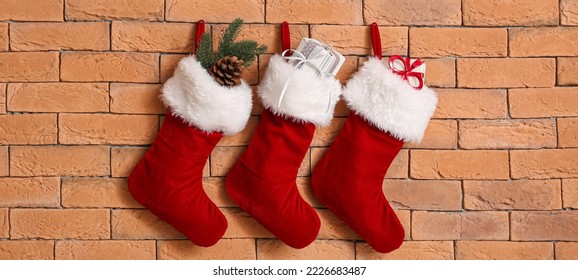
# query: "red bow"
[407,70]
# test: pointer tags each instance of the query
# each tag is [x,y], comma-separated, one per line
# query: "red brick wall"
[496,176]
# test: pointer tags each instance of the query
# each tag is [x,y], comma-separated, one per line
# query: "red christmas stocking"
[168,180]
[385,112]
[262,182]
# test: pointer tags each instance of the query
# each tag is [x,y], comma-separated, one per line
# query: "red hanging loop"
[199,33]
[285,37]
[376,40]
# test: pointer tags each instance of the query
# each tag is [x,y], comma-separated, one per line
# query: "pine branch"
[205,53]
[247,50]
[229,35]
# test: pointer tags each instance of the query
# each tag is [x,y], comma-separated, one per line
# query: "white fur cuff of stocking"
[308,98]
[193,95]
[390,103]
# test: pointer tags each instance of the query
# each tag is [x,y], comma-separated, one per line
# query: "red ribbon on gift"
[408,69]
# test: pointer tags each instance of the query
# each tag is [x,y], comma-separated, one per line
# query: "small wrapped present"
[321,58]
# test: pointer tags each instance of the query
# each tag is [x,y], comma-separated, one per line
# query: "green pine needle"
[245,50]
[205,53]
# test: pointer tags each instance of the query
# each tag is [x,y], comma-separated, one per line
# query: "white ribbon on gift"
[302,60]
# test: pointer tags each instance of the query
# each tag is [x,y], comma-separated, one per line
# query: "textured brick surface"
[506,195]
[114,10]
[555,225]
[60,36]
[26,250]
[506,72]
[510,12]
[543,164]
[495,176]
[60,224]
[30,192]
[416,12]
[58,97]
[536,103]
[32,10]
[105,250]
[500,134]
[29,67]
[498,250]
[464,42]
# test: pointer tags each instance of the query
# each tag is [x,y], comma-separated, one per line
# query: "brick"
[60,36]
[4,39]
[4,223]
[544,164]
[59,161]
[512,195]
[567,68]
[423,195]
[104,66]
[225,249]
[29,66]
[153,37]
[566,250]
[397,169]
[168,64]
[547,225]
[26,250]
[105,250]
[136,99]
[510,12]
[324,136]
[257,106]
[546,102]
[341,12]
[409,250]
[267,34]
[32,10]
[460,225]
[125,159]
[141,224]
[502,134]
[463,42]
[506,72]
[318,250]
[223,159]
[348,68]
[2,99]
[441,72]
[545,41]
[3,161]
[356,40]
[107,129]
[242,225]
[96,193]
[503,250]
[28,129]
[215,188]
[568,132]
[58,97]
[333,227]
[30,192]
[405,219]
[447,164]
[123,10]
[416,12]
[471,103]
[60,223]
[570,193]
[214,11]
[440,134]
[243,137]
[568,12]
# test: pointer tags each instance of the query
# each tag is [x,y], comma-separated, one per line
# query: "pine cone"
[227,71]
